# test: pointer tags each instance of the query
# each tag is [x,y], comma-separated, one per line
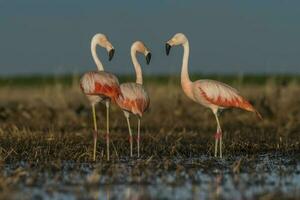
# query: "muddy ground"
[46,145]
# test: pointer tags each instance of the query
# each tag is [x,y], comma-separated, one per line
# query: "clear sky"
[53,36]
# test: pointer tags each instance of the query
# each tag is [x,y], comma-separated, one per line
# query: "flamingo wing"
[134,98]
[100,83]
[223,95]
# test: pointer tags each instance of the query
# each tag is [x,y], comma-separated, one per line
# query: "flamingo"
[100,86]
[134,99]
[209,93]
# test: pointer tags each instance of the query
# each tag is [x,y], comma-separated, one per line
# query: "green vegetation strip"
[42,80]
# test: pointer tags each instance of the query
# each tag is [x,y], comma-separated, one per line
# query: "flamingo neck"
[137,67]
[185,62]
[186,83]
[95,56]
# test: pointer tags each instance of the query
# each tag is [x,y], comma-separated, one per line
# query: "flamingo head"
[103,41]
[177,39]
[140,47]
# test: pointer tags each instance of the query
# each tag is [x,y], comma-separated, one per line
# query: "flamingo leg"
[138,137]
[221,145]
[107,129]
[130,133]
[218,134]
[216,146]
[95,132]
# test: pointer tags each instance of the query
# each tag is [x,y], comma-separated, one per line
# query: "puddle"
[241,177]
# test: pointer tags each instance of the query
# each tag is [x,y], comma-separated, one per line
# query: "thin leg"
[216,146]
[138,137]
[221,144]
[95,132]
[130,133]
[219,132]
[107,129]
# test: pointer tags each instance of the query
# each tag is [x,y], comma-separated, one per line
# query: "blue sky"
[53,37]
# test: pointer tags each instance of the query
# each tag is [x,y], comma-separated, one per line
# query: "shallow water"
[240,177]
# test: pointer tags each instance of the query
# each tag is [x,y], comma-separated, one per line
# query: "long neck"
[137,67]
[95,57]
[185,62]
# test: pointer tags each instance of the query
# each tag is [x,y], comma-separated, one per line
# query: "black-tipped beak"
[148,58]
[111,54]
[168,48]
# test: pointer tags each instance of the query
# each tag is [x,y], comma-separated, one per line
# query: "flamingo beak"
[111,54]
[148,58]
[168,48]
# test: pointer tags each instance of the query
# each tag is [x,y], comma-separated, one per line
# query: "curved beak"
[148,58]
[111,54]
[168,48]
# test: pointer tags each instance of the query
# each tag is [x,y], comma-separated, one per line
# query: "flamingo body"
[100,86]
[217,95]
[134,98]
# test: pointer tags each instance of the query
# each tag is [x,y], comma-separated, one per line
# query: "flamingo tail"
[247,106]
[258,115]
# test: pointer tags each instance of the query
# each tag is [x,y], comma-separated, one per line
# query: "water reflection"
[218,185]
[198,178]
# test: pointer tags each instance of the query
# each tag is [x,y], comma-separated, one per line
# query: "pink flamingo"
[209,93]
[134,99]
[100,86]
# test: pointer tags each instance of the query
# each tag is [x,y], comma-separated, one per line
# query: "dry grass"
[53,122]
